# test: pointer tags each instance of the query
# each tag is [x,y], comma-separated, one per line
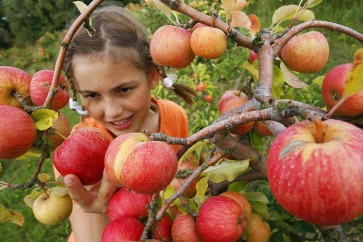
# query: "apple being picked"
[53,206]
[208,42]
[230,100]
[170,46]
[306,53]
[184,229]
[123,229]
[40,85]
[332,91]
[220,219]
[17,132]
[82,153]
[126,202]
[314,169]
[140,164]
[12,80]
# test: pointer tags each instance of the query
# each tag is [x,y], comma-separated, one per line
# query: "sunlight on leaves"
[354,80]
[161,6]
[59,191]
[8,215]
[255,23]
[44,118]
[30,198]
[288,12]
[240,19]
[43,177]
[313,3]
[226,170]
[278,82]
[290,78]
[251,68]
[233,5]
[81,6]
[202,186]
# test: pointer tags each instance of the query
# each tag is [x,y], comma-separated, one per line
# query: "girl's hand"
[92,198]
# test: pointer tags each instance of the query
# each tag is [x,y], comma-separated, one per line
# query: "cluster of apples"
[177,47]
[17,127]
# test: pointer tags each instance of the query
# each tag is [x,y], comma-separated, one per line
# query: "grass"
[20,171]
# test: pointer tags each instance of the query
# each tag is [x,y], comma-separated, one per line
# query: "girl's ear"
[154,77]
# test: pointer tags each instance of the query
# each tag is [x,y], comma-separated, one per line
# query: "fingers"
[77,191]
[107,189]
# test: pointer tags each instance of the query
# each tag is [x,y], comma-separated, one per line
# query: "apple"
[198,25]
[230,100]
[162,230]
[126,202]
[332,91]
[208,42]
[184,229]
[306,53]
[208,98]
[39,89]
[123,229]
[82,154]
[262,129]
[313,170]
[201,87]
[17,132]
[170,46]
[220,218]
[59,131]
[242,201]
[12,80]
[253,56]
[177,183]
[53,206]
[141,164]
[257,230]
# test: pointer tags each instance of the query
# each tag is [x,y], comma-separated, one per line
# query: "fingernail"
[68,181]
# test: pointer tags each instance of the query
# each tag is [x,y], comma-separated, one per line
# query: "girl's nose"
[113,108]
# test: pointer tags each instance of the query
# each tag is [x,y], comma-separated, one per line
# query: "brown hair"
[121,37]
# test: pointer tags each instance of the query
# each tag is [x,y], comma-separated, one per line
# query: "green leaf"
[318,80]
[278,82]
[313,3]
[257,141]
[43,177]
[59,191]
[256,197]
[202,186]
[251,68]
[288,12]
[226,170]
[261,209]
[290,78]
[81,6]
[44,118]
[237,186]
[354,80]
[161,6]
[30,198]
[8,215]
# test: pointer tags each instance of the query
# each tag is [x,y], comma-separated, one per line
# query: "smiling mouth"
[123,121]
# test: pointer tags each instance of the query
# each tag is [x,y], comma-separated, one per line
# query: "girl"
[113,73]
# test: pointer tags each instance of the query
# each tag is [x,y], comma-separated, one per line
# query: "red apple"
[128,203]
[177,183]
[313,171]
[53,206]
[306,53]
[253,56]
[220,218]
[257,230]
[198,25]
[262,129]
[184,229]
[82,153]
[242,201]
[208,98]
[332,91]
[17,132]
[123,229]
[40,85]
[140,164]
[170,46]
[162,230]
[230,100]
[12,80]
[201,87]
[208,42]
[59,131]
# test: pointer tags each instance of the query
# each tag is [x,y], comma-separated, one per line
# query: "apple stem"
[319,129]
[59,134]
[336,106]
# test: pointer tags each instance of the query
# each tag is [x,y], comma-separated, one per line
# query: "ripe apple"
[178,182]
[232,99]
[332,91]
[162,230]
[126,202]
[208,42]
[198,25]
[59,131]
[140,164]
[314,168]
[220,218]
[17,132]
[253,56]
[208,98]
[123,229]
[306,53]
[184,229]
[242,201]
[262,129]
[40,85]
[201,87]
[257,230]
[53,206]
[170,46]
[12,80]
[82,153]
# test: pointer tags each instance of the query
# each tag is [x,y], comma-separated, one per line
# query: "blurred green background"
[31,32]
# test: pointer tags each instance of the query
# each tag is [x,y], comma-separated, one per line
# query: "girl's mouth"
[122,124]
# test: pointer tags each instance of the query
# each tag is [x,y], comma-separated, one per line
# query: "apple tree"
[267,167]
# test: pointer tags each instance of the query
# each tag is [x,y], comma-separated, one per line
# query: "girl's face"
[116,94]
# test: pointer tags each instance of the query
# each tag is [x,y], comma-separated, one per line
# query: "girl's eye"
[91,95]
[124,90]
